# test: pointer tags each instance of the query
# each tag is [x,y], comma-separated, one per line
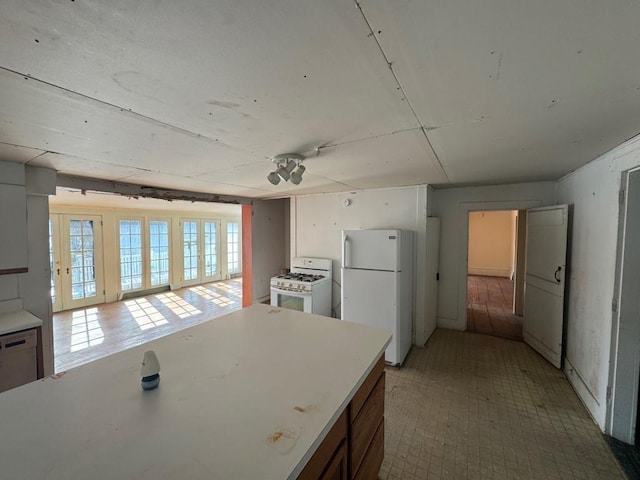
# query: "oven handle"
[345,239]
[289,292]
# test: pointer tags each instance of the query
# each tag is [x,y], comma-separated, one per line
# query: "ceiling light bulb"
[296,177]
[282,171]
[291,164]
[273,178]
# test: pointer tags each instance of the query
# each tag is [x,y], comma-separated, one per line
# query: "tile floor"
[87,334]
[472,406]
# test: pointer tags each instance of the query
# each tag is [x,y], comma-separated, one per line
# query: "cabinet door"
[337,468]
[365,425]
[13,218]
[325,461]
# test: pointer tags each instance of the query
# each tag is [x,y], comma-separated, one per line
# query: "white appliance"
[377,284]
[307,288]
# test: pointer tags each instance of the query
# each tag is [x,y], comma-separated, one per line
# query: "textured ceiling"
[199,95]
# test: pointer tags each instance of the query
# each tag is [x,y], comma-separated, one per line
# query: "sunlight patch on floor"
[215,297]
[145,314]
[85,329]
[177,305]
[229,288]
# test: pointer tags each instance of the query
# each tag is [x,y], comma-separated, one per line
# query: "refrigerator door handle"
[345,239]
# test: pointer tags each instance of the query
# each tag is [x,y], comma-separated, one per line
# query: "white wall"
[317,222]
[269,231]
[593,192]
[453,205]
[32,287]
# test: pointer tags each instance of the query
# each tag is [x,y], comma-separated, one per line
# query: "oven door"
[300,301]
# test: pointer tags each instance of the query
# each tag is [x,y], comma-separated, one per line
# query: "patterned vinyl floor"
[472,406]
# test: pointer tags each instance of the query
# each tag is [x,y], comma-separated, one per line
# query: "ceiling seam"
[142,170]
[154,121]
[362,139]
[36,157]
[401,88]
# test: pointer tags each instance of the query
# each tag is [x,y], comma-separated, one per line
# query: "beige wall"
[491,243]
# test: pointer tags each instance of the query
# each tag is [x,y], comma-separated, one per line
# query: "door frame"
[201,278]
[624,364]
[55,220]
[62,261]
[463,243]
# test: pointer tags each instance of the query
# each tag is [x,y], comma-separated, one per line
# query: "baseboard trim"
[142,293]
[263,299]
[452,323]
[490,272]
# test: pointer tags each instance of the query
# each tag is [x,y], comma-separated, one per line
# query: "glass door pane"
[190,250]
[211,270]
[130,254]
[82,261]
[233,248]
[159,252]
[83,272]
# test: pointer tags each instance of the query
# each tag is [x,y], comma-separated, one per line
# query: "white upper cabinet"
[13,218]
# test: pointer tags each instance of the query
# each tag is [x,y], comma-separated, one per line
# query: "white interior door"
[544,280]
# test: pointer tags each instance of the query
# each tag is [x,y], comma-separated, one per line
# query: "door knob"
[555,274]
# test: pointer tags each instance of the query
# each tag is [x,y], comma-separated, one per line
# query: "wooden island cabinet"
[354,447]
[262,393]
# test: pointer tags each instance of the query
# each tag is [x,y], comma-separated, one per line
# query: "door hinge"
[614,305]
[621,197]
[437,276]
[609,389]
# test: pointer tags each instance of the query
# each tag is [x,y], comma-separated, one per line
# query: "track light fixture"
[285,165]
[296,177]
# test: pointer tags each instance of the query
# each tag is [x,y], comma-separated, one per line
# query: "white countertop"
[225,407]
[18,320]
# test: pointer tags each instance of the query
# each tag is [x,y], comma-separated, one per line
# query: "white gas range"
[306,288]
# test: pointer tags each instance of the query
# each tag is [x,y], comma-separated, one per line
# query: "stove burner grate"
[300,277]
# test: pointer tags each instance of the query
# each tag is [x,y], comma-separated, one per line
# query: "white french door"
[75,249]
[201,251]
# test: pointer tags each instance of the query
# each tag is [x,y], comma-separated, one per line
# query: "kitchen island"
[259,393]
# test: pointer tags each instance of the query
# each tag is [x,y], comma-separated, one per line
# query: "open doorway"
[623,414]
[495,273]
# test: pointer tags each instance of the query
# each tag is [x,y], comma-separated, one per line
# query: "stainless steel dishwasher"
[18,358]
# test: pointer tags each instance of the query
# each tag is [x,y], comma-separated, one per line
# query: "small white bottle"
[150,371]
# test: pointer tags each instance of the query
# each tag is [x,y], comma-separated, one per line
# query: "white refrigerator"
[377,284]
